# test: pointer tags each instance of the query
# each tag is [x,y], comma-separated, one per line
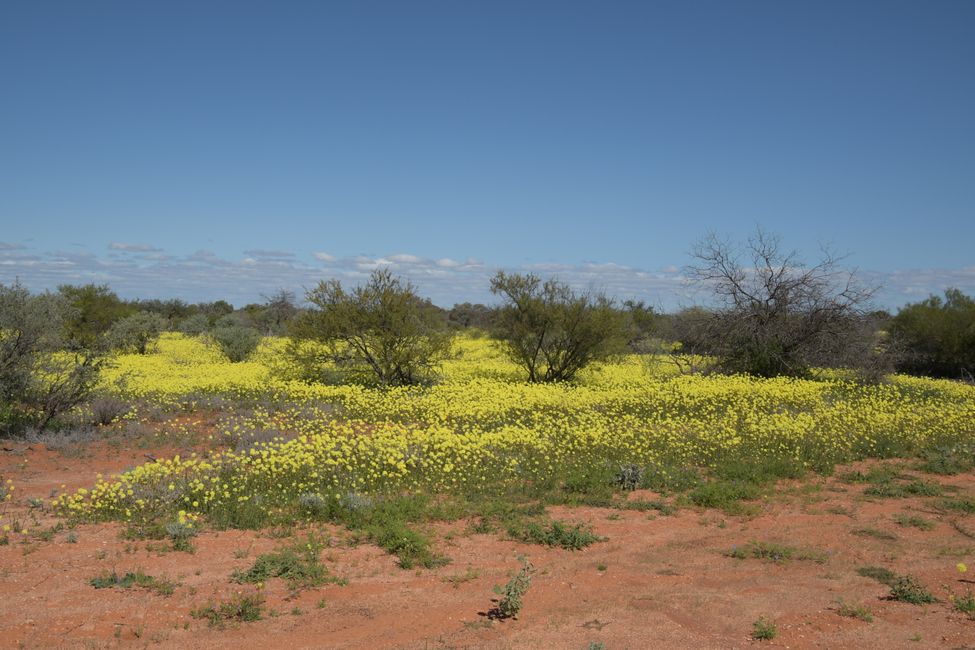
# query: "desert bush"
[382,327]
[776,315]
[136,333]
[236,341]
[550,330]
[195,325]
[39,379]
[937,336]
[94,309]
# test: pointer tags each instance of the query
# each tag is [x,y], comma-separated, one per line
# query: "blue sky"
[223,149]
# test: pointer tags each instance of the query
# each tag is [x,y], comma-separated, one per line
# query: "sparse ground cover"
[268,508]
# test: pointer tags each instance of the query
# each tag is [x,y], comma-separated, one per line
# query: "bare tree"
[776,315]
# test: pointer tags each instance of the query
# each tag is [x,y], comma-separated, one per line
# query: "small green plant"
[557,533]
[964,603]
[854,611]
[724,493]
[240,608]
[764,629]
[601,567]
[882,575]
[913,521]
[109,580]
[873,532]
[629,477]
[460,578]
[908,589]
[775,552]
[959,504]
[299,565]
[180,534]
[596,645]
[513,593]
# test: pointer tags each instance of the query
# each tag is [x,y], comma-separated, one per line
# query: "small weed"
[108,580]
[240,608]
[775,552]
[296,611]
[662,507]
[629,477]
[958,504]
[72,538]
[873,532]
[568,536]
[854,611]
[458,579]
[320,604]
[601,567]
[724,494]
[764,629]
[882,575]
[913,521]
[513,593]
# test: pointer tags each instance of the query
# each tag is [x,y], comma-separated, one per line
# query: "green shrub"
[513,593]
[938,336]
[236,341]
[556,533]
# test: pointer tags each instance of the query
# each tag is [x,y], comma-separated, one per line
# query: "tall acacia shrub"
[44,371]
[382,329]
[937,336]
[552,331]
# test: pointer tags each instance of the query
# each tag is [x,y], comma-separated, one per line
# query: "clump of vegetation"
[775,552]
[557,533]
[964,603]
[724,493]
[965,505]
[136,333]
[236,341]
[855,611]
[43,372]
[181,534]
[875,533]
[299,565]
[111,579]
[947,460]
[881,574]
[629,477]
[937,336]
[240,608]
[410,546]
[913,521]
[909,589]
[513,593]
[764,629]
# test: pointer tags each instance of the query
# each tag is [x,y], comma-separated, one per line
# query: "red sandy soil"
[667,581]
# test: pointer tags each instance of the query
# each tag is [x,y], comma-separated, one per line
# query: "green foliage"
[777,553]
[236,341]
[550,330]
[764,629]
[723,494]
[913,521]
[39,378]
[938,336]
[909,589]
[94,309]
[411,547]
[947,460]
[855,611]
[299,565]
[136,333]
[881,574]
[111,579]
[240,608]
[557,533]
[513,593]
[195,325]
[382,328]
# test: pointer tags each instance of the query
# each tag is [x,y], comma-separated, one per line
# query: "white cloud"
[204,275]
[263,253]
[5,246]
[133,248]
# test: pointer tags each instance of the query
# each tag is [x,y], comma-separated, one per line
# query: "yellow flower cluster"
[482,427]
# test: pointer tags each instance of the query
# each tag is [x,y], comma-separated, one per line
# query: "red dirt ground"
[667,581]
